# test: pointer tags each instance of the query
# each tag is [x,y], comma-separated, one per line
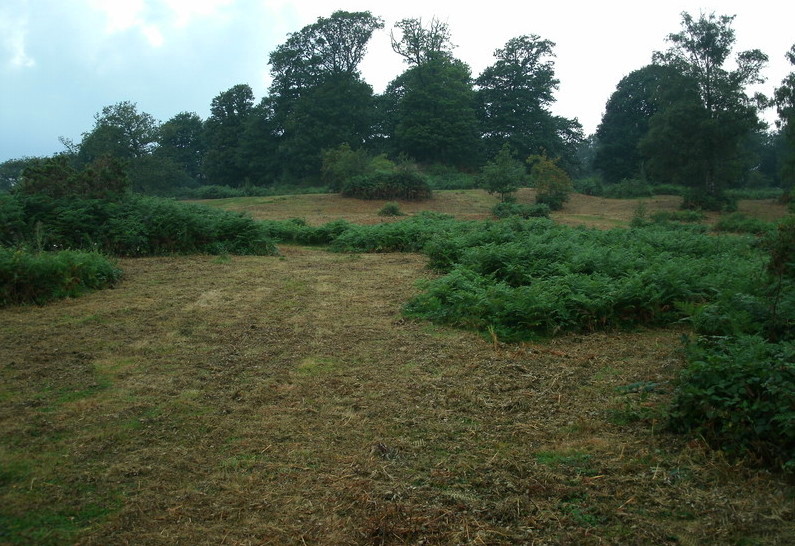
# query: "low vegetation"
[565,408]
[39,277]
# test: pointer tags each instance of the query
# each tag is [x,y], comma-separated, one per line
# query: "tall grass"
[134,226]
[39,277]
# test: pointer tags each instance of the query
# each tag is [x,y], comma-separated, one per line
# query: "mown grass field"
[285,400]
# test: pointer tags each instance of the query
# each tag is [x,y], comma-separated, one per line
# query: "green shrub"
[410,235]
[213,192]
[505,209]
[452,181]
[697,198]
[390,209]
[530,278]
[755,194]
[737,222]
[687,216]
[737,393]
[627,189]
[137,226]
[343,163]
[401,184]
[105,178]
[27,277]
[669,189]
[589,186]
[503,175]
[552,184]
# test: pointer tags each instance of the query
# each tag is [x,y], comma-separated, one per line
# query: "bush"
[105,178]
[668,189]
[589,186]
[552,184]
[136,226]
[503,175]
[452,181]
[755,194]
[529,278]
[506,209]
[341,164]
[687,216]
[27,277]
[737,222]
[390,209]
[627,189]
[696,198]
[402,184]
[737,393]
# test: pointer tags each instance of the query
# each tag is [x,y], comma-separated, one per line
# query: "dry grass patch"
[280,400]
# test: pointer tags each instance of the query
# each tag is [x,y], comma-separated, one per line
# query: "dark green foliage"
[503,175]
[391,209]
[591,185]
[739,394]
[297,231]
[135,226]
[756,194]
[668,189]
[222,138]
[343,163]
[404,184]
[12,220]
[698,139]
[738,222]
[180,140]
[105,178]
[505,209]
[636,99]
[552,183]
[687,216]
[695,198]
[525,279]
[738,390]
[432,115]
[514,97]
[627,189]
[451,180]
[227,192]
[11,171]
[410,235]
[39,277]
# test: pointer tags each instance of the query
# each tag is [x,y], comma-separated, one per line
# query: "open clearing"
[262,400]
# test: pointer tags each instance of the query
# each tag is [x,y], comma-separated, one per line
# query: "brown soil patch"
[263,400]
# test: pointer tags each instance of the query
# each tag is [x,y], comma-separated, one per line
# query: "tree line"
[686,118]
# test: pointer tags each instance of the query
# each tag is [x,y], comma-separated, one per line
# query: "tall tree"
[229,112]
[418,44]
[785,104]
[119,131]
[514,95]
[637,98]
[180,140]
[713,127]
[319,100]
[431,106]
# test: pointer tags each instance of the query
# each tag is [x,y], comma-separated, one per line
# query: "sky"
[62,61]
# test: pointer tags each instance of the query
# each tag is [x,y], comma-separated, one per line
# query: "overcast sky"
[61,61]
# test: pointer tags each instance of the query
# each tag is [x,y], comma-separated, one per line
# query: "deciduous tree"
[703,137]
[514,95]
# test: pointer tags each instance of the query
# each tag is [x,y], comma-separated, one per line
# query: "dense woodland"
[685,119]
